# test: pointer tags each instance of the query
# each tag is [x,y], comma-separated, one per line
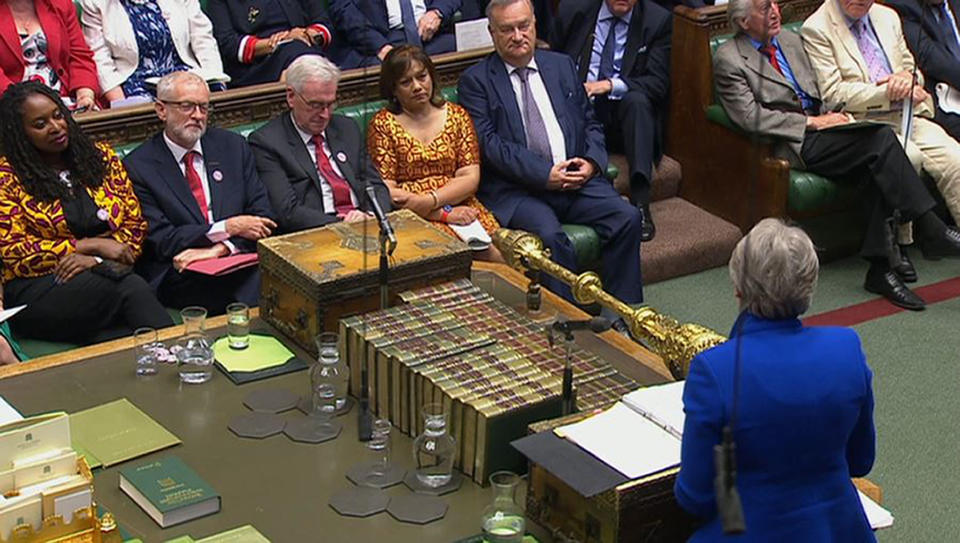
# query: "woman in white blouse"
[135,42]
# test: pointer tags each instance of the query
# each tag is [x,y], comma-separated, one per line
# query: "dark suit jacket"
[291,177]
[364,22]
[509,169]
[173,216]
[646,55]
[231,21]
[799,436]
[927,42]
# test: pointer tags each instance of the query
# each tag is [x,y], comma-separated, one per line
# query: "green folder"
[96,434]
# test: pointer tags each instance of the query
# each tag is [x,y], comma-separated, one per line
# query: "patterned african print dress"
[421,167]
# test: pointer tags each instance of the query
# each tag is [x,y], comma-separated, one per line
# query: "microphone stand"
[597,325]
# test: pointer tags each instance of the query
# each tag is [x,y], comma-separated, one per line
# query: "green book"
[117,431]
[169,491]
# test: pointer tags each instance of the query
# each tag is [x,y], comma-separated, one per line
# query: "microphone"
[724,484]
[380,215]
[595,325]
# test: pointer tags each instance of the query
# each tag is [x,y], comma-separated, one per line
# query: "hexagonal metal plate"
[359,501]
[271,400]
[306,405]
[417,509]
[312,430]
[256,425]
[415,485]
[359,475]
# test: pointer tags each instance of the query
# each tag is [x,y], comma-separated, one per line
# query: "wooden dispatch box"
[311,279]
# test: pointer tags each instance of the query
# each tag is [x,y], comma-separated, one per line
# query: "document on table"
[626,441]
[118,431]
[472,35]
[877,516]
[7,313]
[8,413]
[663,404]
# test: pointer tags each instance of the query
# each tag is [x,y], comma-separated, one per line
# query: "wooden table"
[279,486]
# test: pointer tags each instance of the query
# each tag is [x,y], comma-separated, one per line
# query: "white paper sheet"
[877,516]
[9,312]
[473,234]
[626,441]
[7,412]
[661,403]
[472,35]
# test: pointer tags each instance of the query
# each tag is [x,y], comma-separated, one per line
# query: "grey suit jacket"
[760,100]
[291,177]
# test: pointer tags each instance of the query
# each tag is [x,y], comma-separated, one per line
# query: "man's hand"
[462,215]
[72,264]
[820,122]
[86,99]
[382,53]
[355,215]
[250,227]
[919,94]
[598,88]
[582,168]
[183,259]
[898,85]
[562,179]
[429,24]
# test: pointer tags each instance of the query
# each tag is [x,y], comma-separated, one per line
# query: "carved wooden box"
[311,279]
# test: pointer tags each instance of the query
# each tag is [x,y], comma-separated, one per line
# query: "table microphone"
[381,216]
[596,325]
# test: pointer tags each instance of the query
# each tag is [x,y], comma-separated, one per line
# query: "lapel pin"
[103,215]
[217,176]
[341,156]
[253,14]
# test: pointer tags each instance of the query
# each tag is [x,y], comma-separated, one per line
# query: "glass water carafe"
[194,350]
[435,449]
[328,377]
[503,520]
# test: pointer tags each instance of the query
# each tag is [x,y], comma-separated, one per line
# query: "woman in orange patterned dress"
[426,148]
[70,227]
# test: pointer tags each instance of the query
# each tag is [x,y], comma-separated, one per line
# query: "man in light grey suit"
[315,164]
[767,86]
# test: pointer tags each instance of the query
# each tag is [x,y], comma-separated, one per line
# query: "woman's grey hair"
[774,269]
[494,4]
[311,67]
[738,10]
[173,79]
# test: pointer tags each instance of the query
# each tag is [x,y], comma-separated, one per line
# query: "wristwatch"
[445,211]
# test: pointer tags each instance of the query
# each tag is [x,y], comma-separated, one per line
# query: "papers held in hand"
[473,234]
[224,265]
[7,313]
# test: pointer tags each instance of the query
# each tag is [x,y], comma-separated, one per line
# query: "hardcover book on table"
[169,491]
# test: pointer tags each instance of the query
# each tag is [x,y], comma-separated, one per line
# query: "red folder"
[224,265]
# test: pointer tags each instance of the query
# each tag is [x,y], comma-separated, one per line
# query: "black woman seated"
[70,227]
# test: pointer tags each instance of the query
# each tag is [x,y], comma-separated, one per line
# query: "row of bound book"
[492,368]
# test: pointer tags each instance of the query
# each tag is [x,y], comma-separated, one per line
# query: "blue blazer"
[365,25]
[173,217]
[804,427]
[509,170]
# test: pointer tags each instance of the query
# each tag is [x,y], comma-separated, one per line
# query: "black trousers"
[873,158]
[86,309]
[631,125]
[180,290]
[949,121]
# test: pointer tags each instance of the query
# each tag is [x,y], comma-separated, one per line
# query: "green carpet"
[916,367]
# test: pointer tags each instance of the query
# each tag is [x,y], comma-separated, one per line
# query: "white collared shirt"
[558,147]
[218,229]
[394,17]
[325,189]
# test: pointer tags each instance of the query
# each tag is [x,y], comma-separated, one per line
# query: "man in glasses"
[202,199]
[315,164]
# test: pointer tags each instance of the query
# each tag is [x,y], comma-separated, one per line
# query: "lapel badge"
[341,157]
[103,215]
[253,14]
[217,176]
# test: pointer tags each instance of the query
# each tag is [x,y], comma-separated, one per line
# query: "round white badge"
[217,176]
[341,156]
[102,214]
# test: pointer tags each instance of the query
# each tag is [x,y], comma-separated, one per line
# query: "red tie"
[341,190]
[196,185]
[771,53]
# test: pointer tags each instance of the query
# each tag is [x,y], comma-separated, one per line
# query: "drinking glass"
[329,373]
[238,325]
[144,350]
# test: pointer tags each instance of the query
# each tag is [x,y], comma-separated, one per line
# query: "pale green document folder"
[263,352]
[117,431]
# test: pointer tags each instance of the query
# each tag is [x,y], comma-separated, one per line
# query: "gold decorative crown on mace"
[674,342]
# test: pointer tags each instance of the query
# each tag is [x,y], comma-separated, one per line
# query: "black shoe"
[905,268]
[946,246]
[647,228]
[888,284]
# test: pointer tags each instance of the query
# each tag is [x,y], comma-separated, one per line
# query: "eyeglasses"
[187,107]
[317,106]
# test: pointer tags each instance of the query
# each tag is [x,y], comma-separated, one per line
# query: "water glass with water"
[195,354]
[145,345]
[238,325]
[329,371]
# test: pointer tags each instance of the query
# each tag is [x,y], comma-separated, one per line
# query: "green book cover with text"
[169,491]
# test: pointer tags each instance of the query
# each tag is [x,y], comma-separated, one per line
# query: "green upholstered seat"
[808,192]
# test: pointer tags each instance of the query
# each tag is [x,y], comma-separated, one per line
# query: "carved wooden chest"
[311,279]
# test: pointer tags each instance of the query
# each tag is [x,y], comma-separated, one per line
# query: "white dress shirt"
[218,229]
[394,18]
[558,147]
[325,189]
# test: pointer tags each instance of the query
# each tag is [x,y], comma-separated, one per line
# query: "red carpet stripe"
[880,307]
